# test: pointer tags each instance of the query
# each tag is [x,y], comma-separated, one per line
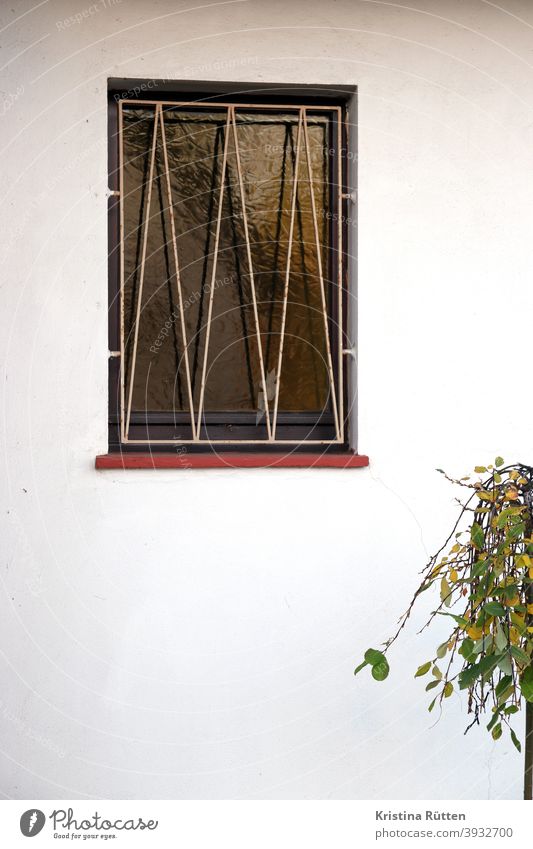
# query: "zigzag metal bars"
[302,141]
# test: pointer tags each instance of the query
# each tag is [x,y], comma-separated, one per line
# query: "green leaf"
[361,666]
[373,656]
[506,695]
[511,709]
[503,684]
[479,567]
[516,531]
[494,608]
[501,521]
[471,673]
[500,639]
[468,676]
[432,705]
[432,684]
[526,684]
[516,741]
[448,689]
[505,664]
[520,655]
[459,619]
[477,536]
[423,670]
[437,673]
[441,651]
[480,469]
[482,645]
[499,461]
[380,670]
[467,648]
[493,721]
[497,731]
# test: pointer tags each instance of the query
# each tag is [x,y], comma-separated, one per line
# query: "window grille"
[230,274]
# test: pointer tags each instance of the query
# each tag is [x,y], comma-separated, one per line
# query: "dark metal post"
[528,753]
[528,743]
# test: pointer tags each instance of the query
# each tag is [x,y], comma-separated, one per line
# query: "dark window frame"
[293,426]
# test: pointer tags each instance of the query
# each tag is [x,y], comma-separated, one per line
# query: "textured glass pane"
[195,141]
[268,153]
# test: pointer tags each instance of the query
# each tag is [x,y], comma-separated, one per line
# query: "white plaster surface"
[193,634]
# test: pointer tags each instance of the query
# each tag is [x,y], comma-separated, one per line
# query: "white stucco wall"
[193,634]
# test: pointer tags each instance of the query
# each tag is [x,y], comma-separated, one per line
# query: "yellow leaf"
[454,576]
[474,632]
[530,608]
[511,494]
[519,620]
[531,572]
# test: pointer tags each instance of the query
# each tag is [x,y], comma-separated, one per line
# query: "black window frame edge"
[255,93]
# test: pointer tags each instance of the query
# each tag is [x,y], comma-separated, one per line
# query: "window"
[227,269]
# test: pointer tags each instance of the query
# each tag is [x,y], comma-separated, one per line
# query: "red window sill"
[232,460]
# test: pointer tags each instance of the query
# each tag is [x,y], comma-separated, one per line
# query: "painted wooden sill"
[231,460]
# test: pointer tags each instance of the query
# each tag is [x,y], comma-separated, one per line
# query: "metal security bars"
[169,224]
